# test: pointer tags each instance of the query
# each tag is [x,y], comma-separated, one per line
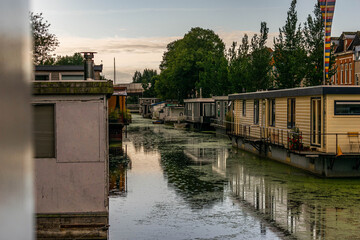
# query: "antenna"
[114,72]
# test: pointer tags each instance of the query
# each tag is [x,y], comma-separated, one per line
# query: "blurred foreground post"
[16,180]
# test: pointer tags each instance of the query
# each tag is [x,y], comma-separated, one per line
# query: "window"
[256,111]
[225,108]
[272,112]
[357,80]
[44,131]
[347,107]
[350,73]
[244,108]
[71,77]
[291,113]
[42,77]
[218,109]
[341,74]
[346,73]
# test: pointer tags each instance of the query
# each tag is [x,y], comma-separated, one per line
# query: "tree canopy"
[196,63]
[75,59]
[289,54]
[44,41]
[147,79]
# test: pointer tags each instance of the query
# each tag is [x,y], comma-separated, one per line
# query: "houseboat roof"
[297,92]
[65,68]
[154,104]
[206,100]
[219,98]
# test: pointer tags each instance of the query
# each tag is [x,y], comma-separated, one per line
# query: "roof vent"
[89,65]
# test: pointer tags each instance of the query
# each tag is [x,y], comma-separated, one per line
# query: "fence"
[337,143]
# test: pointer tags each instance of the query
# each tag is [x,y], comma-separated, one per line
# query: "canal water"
[186,185]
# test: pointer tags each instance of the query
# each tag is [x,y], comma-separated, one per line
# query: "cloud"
[133,54]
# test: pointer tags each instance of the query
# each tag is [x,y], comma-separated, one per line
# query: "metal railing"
[293,141]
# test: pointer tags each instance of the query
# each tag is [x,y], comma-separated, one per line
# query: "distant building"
[347,48]
[144,106]
[64,72]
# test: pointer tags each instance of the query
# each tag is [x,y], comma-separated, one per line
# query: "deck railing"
[338,143]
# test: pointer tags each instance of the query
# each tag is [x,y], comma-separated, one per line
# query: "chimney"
[88,65]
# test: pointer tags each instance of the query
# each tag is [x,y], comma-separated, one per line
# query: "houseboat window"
[244,108]
[44,136]
[225,108]
[71,77]
[42,77]
[291,113]
[357,80]
[208,109]
[347,107]
[272,112]
[256,111]
[218,109]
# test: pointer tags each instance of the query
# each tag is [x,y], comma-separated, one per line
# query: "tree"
[44,41]
[314,45]
[137,77]
[250,64]
[260,65]
[289,54]
[147,80]
[196,63]
[239,62]
[76,59]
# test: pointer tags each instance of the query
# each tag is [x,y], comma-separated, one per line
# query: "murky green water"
[186,185]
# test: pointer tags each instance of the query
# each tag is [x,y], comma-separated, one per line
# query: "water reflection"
[301,205]
[190,185]
[175,192]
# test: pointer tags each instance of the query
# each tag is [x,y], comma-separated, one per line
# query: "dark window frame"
[272,112]
[291,105]
[244,108]
[345,101]
[256,111]
[54,152]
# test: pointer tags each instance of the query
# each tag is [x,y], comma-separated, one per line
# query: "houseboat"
[157,109]
[145,104]
[199,112]
[312,128]
[119,116]
[173,113]
[221,110]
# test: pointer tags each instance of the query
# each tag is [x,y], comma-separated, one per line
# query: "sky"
[136,32]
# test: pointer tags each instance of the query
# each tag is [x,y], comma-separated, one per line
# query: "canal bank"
[186,185]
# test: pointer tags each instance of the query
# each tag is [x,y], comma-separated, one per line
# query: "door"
[316,121]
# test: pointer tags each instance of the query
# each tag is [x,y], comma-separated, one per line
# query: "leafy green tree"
[250,65]
[260,66]
[76,59]
[137,77]
[147,79]
[239,63]
[44,41]
[192,64]
[289,54]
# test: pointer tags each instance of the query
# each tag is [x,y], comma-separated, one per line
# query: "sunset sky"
[136,32]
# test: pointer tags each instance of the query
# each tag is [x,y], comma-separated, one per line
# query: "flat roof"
[225,98]
[206,100]
[297,92]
